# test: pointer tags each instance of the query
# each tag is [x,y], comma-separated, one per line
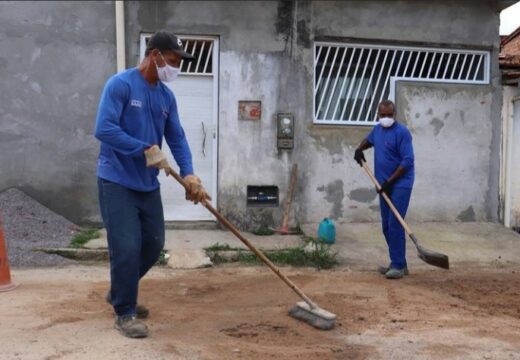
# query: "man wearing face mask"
[136,111]
[394,170]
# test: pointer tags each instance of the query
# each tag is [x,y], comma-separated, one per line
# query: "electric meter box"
[285,131]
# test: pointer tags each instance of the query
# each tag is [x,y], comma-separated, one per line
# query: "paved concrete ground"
[186,247]
[361,246]
[198,239]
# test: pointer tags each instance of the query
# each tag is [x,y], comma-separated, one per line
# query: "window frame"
[392,80]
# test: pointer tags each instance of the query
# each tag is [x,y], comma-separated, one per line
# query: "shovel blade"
[431,257]
[434,258]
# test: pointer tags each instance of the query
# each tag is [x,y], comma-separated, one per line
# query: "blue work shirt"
[132,116]
[393,148]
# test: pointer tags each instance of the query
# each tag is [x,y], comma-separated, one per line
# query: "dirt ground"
[233,312]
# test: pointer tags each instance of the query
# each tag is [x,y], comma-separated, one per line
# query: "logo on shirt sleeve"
[136,103]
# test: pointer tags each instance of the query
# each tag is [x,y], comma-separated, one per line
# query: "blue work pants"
[134,221]
[394,233]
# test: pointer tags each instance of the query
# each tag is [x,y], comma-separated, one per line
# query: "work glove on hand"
[195,191]
[386,187]
[156,158]
[359,157]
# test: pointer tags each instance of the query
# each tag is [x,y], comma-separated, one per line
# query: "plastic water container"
[327,231]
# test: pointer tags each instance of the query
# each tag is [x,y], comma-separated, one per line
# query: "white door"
[196,92]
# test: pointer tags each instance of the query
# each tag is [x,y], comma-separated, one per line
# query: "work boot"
[394,273]
[129,326]
[384,269]
[141,311]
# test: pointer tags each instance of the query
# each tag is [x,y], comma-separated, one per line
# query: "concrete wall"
[254,65]
[452,164]
[54,60]
[266,54]
[332,149]
[56,56]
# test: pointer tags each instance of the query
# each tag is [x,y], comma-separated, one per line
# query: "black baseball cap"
[166,41]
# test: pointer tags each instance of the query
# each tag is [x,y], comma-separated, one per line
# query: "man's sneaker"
[141,311]
[394,273]
[384,269]
[129,326]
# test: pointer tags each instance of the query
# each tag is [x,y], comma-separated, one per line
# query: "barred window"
[352,79]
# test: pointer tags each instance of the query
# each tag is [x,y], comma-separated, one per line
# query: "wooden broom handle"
[234,230]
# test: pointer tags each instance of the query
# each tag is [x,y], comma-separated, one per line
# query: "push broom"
[305,310]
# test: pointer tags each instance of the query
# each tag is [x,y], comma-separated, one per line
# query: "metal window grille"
[202,50]
[351,79]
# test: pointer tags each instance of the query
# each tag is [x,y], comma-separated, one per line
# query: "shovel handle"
[428,256]
[387,199]
[234,230]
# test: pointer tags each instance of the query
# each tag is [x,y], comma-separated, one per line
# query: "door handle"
[203,139]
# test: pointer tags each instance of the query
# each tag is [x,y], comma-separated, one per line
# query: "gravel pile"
[29,225]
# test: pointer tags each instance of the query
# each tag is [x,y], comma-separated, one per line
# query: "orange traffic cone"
[5,273]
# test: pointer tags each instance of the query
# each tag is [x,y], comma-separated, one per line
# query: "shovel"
[428,256]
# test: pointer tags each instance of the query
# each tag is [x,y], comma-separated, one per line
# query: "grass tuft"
[314,253]
[83,237]
[163,258]
[219,247]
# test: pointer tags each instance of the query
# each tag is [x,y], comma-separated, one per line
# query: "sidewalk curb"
[79,254]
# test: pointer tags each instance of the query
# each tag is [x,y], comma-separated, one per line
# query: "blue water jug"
[327,231]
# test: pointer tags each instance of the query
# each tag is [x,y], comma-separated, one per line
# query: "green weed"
[162,258]
[317,255]
[83,237]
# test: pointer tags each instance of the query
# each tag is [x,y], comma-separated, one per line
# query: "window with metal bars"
[350,80]
[201,49]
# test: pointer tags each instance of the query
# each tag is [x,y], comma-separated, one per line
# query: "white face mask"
[386,122]
[167,73]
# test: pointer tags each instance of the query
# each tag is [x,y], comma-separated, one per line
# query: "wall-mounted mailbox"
[262,196]
[285,131]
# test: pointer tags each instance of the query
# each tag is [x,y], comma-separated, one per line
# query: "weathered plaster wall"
[452,149]
[254,65]
[54,60]
[266,54]
[444,22]
[342,189]
[56,56]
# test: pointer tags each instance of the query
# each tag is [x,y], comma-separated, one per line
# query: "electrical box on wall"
[262,196]
[285,131]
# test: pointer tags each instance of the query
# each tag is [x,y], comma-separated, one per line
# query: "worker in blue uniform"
[136,111]
[394,170]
